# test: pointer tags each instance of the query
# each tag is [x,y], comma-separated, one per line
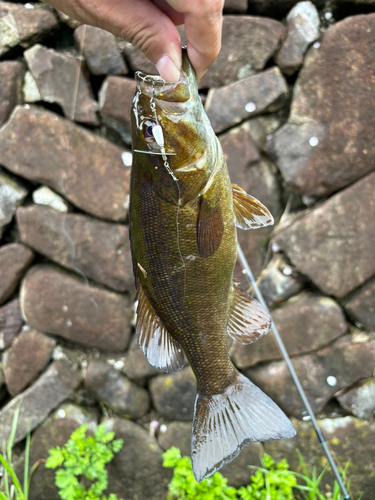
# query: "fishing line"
[159,138]
[302,394]
[72,117]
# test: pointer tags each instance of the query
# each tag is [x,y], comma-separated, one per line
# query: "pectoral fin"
[249,212]
[248,320]
[160,349]
[210,228]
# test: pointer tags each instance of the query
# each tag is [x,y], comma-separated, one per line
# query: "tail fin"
[226,423]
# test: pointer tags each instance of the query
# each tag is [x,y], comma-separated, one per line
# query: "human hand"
[150,25]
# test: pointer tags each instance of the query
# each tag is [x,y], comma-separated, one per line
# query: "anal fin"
[249,212]
[248,320]
[160,349]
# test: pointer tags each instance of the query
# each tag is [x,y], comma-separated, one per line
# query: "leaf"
[100,432]
[171,457]
[64,479]
[78,435]
[11,472]
[117,445]
[55,459]
[26,467]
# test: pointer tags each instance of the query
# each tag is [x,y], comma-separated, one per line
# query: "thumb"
[150,30]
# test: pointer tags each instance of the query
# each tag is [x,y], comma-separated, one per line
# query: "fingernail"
[167,69]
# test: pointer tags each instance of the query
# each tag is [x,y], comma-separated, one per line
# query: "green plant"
[272,481]
[82,474]
[311,489]
[183,485]
[12,485]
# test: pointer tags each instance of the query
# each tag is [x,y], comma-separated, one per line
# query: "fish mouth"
[156,86]
[153,81]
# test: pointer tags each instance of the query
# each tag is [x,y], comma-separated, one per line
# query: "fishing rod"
[293,373]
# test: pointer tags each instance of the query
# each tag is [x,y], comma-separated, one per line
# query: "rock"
[235,6]
[55,431]
[237,472]
[136,59]
[113,389]
[136,365]
[2,381]
[30,89]
[99,250]
[247,44]
[45,196]
[115,99]
[23,26]
[27,357]
[56,302]
[10,90]
[176,434]
[347,437]
[356,3]
[261,93]
[306,323]
[10,323]
[361,305]
[257,179]
[69,21]
[174,395]
[12,194]
[50,390]
[55,75]
[239,147]
[278,282]
[100,51]
[77,357]
[137,471]
[83,166]
[333,243]
[333,95]
[14,260]
[293,146]
[360,399]
[322,374]
[276,8]
[302,29]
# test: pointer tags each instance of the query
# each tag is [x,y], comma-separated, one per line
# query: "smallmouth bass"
[183,217]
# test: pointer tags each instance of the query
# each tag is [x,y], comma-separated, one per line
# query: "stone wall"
[292,99]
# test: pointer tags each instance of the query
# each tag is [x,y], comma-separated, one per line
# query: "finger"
[203,25]
[176,17]
[138,21]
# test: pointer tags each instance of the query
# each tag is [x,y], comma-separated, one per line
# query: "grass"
[13,489]
[272,481]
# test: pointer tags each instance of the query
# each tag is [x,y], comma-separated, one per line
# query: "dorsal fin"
[210,228]
[248,320]
[249,212]
[160,349]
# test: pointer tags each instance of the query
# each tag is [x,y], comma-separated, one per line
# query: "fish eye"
[147,130]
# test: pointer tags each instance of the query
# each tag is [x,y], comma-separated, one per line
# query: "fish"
[183,218]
